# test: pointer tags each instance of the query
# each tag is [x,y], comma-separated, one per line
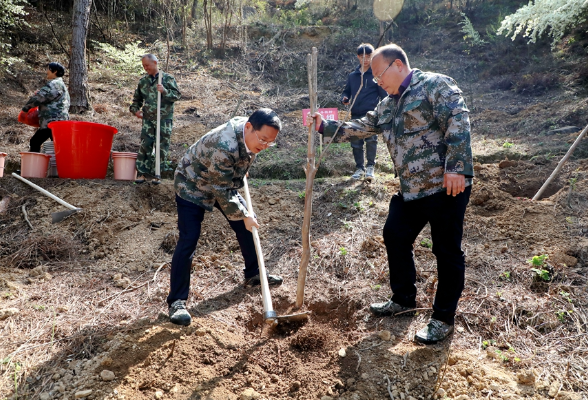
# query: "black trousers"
[190,217]
[405,221]
[39,138]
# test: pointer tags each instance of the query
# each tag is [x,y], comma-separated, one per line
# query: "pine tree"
[552,17]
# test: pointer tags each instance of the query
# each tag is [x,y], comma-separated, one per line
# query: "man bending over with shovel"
[426,126]
[208,176]
[146,97]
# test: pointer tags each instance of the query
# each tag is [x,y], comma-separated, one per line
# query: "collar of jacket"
[238,124]
[358,71]
[417,77]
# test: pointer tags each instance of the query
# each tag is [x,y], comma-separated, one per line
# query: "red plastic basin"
[82,149]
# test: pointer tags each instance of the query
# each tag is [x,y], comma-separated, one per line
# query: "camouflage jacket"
[427,132]
[53,102]
[214,167]
[146,96]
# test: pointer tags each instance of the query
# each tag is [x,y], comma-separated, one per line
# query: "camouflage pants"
[145,160]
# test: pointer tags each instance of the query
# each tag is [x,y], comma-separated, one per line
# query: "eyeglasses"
[263,142]
[377,78]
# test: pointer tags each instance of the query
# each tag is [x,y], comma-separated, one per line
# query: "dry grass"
[39,249]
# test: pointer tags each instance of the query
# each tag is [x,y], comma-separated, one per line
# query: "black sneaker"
[272,280]
[178,313]
[434,332]
[388,308]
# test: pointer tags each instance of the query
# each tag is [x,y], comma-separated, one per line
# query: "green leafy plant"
[550,17]
[343,251]
[358,206]
[377,287]
[543,274]
[12,13]
[17,368]
[573,182]
[126,60]
[538,261]
[427,243]
[301,194]
[566,296]
[502,356]
[507,145]
[505,276]
[471,36]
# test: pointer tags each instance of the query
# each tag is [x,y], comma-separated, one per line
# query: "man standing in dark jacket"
[366,100]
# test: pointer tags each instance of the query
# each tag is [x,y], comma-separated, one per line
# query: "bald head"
[392,52]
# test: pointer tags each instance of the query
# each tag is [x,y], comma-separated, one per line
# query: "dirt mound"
[106,305]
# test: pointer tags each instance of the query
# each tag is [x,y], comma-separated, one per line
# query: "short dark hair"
[56,67]
[265,116]
[368,48]
[391,52]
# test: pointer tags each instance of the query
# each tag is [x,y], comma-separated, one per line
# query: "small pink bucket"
[124,166]
[2,157]
[34,165]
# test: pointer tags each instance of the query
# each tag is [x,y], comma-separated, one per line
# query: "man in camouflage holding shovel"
[144,106]
[208,176]
[425,123]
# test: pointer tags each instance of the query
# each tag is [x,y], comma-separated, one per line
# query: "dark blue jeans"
[371,146]
[405,221]
[190,217]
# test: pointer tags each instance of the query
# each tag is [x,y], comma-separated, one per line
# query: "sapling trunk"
[310,171]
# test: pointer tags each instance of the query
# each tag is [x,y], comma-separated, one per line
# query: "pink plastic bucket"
[2,156]
[34,165]
[124,166]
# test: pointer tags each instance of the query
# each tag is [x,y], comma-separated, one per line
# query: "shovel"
[157,157]
[269,315]
[56,216]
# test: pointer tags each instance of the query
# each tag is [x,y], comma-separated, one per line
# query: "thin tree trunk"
[78,74]
[194,7]
[184,24]
[310,171]
[208,22]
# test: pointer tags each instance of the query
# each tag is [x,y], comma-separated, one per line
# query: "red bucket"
[30,118]
[82,149]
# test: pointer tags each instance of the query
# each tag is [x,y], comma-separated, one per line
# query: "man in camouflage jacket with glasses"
[425,124]
[144,106]
[208,177]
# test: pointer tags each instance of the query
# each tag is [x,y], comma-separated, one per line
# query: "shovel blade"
[61,215]
[294,317]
